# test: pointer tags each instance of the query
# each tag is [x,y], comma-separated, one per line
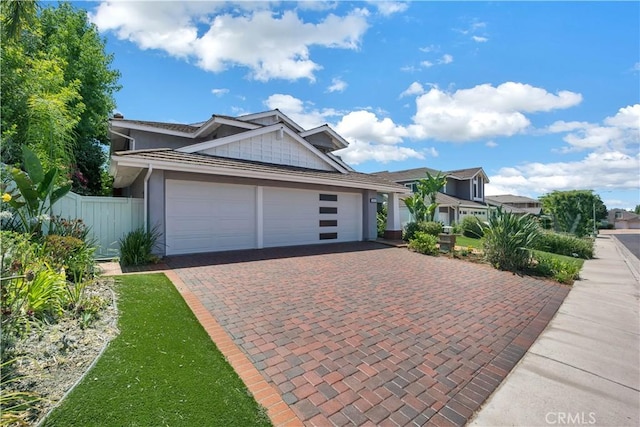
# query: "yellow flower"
[6,197]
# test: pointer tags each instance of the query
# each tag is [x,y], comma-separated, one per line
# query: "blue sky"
[543,95]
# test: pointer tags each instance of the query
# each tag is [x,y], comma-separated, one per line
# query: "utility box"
[447,242]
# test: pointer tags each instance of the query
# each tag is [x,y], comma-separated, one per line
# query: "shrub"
[430,227]
[565,244]
[381,221]
[560,270]
[69,227]
[72,254]
[424,243]
[508,239]
[471,227]
[137,246]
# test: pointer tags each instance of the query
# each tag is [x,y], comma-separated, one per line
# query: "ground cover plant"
[163,369]
[424,243]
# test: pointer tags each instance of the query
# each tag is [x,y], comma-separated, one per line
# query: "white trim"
[151,129]
[224,121]
[133,140]
[278,127]
[146,197]
[248,173]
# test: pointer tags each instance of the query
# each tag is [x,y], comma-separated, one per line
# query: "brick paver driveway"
[360,333]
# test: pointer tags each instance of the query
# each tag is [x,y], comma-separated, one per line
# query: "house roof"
[510,198]
[446,200]
[201,129]
[167,159]
[626,215]
[419,173]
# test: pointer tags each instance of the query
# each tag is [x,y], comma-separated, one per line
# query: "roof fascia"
[129,161]
[151,129]
[279,114]
[215,120]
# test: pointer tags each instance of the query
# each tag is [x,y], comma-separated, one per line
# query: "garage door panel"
[207,217]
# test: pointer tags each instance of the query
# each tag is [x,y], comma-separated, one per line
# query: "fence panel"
[108,218]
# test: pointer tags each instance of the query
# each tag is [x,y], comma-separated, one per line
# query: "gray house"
[516,204]
[462,196]
[254,181]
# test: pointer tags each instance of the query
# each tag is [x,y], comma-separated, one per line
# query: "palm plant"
[508,240]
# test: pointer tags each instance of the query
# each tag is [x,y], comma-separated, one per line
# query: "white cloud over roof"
[271,45]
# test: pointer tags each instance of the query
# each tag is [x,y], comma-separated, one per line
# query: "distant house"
[623,219]
[516,204]
[462,196]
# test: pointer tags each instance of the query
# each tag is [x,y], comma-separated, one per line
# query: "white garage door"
[206,217]
[301,217]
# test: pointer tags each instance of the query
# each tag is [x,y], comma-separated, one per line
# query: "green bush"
[565,244]
[424,243]
[508,239]
[136,247]
[72,254]
[430,227]
[560,270]
[381,221]
[471,227]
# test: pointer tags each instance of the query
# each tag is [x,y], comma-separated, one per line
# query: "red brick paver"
[363,334]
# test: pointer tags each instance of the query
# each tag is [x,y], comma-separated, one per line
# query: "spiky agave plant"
[508,240]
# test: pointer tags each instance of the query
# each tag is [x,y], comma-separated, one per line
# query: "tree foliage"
[637,210]
[426,189]
[573,211]
[57,86]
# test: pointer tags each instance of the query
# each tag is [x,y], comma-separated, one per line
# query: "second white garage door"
[303,217]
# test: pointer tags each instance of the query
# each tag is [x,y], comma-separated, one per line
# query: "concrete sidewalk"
[584,368]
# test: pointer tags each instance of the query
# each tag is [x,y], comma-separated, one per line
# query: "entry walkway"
[584,368]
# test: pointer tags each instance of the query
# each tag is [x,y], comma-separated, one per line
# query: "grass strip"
[162,370]
[468,242]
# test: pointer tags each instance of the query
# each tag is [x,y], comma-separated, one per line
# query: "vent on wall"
[328,223]
[328,210]
[328,197]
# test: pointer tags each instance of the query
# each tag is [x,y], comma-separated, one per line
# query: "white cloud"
[491,144]
[269,44]
[361,151]
[636,66]
[219,92]
[610,171]
[430,48]
[426,64]
[618,133]
[446,59]
[367,127]
[480,39]
[483,111]
[337,85]
[414,88]
[387,8]
[296,109]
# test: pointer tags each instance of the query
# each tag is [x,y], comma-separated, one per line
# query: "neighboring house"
[462,196]
[623,219]
[516,204]
[253,181]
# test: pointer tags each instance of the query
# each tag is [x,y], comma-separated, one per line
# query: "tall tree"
[573,211]
[67,120]
[637,210]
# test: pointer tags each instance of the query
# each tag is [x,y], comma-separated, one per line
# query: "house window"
[618,215]
[328,197]
[475,188]
[412,186]
[328,210]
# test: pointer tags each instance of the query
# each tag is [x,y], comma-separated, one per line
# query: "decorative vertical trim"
[259,217]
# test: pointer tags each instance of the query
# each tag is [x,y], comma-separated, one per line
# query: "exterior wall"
[155,211]
[462,189]
[146,140]
[268,148]
[369,215]
[320,140]
[225,131]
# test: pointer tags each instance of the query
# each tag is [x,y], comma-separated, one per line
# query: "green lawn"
[579,262]
[162,370]
[468,242]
